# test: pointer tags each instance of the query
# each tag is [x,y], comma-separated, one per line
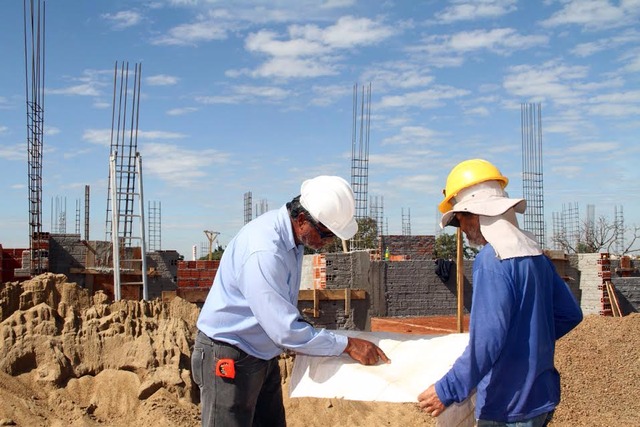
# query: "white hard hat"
[330,200]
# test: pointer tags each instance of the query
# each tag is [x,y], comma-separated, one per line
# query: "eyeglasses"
[323,233]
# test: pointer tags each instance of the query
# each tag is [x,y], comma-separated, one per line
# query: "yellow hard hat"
[468,173]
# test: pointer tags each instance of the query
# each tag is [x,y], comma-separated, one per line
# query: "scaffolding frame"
[122,239]
[406,222]
[125,191]
[376,212]
[155,226]
[618,229]
[248,203]
[34,62]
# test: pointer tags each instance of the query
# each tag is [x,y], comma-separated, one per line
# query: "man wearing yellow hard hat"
[520,307]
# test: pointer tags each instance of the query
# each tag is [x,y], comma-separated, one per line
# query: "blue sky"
[258,96]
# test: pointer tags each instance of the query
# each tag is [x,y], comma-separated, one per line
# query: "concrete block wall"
[628,293]
[164,265]
[588,295]
[414,289]
[339,270]
[334,316]
[67,251]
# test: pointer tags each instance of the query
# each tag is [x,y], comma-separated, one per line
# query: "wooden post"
[316,303]
[460,279]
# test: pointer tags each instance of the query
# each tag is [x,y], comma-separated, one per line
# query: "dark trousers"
[252,399]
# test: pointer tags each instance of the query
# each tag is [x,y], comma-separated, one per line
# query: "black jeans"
[252,399]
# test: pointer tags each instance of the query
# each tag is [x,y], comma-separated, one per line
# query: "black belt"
[218,342]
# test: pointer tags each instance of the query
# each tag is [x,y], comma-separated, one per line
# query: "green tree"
[445,247]
[216,254]
[367,234]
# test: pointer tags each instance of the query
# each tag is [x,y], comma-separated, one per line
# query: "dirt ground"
[68,359]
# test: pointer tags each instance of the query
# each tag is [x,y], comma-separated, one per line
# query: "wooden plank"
[347,302]
[613,300]
[330,294]
[460,280]
[432,325]
[316,303]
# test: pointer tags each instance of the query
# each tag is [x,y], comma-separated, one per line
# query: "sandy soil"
[67,359]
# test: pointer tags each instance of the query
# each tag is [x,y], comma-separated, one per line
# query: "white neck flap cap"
[507,239]
[485,198]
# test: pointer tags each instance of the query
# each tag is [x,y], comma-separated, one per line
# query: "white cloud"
[103,136]
[398,75]
[552,80]
[309,50]
[595,14]
[193,33]
[181,111]
[266,42]
[466,10]
[477,111]
[627,37]
[295,68]
[85,89]
[4,104]
[411,135]
[51,130]
[594,147]
[337,4]
[158,134]
[13,152]
[123,19]
[180,167]
[327,95]
[448,50]
[247,94]
[3,129]
[97,136]
[567,171]
[162,80]
[423,99]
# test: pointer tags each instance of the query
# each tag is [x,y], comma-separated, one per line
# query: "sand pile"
[68,359]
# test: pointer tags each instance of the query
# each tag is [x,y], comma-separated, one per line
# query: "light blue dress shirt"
[253,301]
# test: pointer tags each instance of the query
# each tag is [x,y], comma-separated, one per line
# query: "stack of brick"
[604,273]
[319,271]
[403,247]
[197,274]
[10,260]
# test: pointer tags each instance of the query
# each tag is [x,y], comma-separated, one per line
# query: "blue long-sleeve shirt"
[253,301]
[520,307]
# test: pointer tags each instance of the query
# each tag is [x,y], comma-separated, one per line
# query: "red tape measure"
[226,368]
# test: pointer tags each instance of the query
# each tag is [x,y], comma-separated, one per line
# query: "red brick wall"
[197,274]
[409,247]
[10,259]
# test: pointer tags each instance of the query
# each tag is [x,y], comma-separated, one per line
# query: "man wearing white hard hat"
[520,307]
[250,315]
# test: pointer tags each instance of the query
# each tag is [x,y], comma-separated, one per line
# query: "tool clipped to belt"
[226,368]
